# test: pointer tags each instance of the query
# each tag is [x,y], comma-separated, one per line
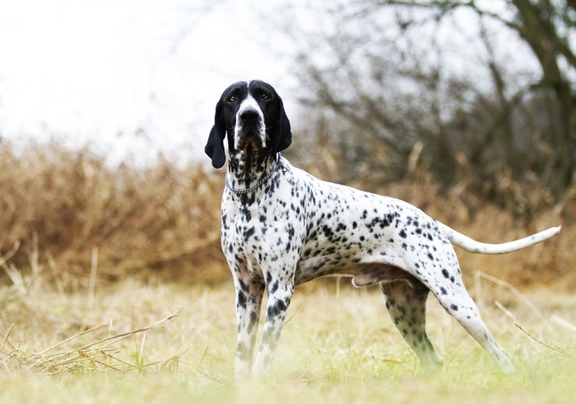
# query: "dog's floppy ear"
[284,131]
[215,145]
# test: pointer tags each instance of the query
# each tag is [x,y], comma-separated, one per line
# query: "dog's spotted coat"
[282,227]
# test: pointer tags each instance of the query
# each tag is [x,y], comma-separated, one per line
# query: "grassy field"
[136,342]
[113,289]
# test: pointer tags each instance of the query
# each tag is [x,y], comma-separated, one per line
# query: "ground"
[162,342]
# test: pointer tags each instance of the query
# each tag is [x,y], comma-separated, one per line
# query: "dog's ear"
[283,131]
[215,145]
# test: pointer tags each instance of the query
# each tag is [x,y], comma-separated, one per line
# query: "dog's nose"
[249,115]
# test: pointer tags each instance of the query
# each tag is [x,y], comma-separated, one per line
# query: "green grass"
[162,343]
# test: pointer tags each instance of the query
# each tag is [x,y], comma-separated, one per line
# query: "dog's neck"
[248,169]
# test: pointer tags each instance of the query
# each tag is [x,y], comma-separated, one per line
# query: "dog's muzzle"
[250,130]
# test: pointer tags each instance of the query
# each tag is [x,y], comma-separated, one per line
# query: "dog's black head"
[253,116]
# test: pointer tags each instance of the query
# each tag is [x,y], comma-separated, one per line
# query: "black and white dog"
[282,227]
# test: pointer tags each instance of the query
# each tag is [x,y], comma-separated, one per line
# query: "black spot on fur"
[276,308]
[274,287]
[249,233]
[327,231]
[241,300]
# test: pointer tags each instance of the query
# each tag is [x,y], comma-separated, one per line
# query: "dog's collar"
[259,183]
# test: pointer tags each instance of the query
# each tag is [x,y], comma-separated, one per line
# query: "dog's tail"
[474,246]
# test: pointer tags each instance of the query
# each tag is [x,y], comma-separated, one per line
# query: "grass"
[164,342]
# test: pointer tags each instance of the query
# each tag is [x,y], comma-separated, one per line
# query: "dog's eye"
[231,98]
[265,96]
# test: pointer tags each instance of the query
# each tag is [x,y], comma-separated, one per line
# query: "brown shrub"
[70,211]
[77,208]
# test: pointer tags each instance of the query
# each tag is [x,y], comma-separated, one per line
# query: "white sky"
[100,70]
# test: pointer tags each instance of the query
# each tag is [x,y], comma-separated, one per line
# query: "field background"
[114,289]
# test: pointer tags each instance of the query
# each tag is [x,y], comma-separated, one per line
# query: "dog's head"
[253,117]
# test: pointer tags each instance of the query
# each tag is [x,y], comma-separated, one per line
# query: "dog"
[282,227]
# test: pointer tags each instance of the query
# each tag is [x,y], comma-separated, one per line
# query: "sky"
[128,76]
[134,77]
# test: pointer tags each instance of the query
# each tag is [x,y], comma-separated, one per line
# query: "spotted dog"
[282,227]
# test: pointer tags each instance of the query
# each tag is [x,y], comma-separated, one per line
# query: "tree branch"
[445,7]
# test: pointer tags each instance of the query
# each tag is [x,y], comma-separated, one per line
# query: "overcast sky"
[101,70]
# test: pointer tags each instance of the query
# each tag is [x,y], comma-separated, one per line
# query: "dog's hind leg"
[406,303]
[458,303]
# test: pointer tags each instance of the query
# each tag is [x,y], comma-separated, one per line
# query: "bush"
[77,211]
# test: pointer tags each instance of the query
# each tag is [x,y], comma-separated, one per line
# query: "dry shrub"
[83,214]
[70,211]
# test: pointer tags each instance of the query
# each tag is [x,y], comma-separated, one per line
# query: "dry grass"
[76,210]
[162,342]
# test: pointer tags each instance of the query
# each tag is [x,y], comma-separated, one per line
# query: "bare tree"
[503,98]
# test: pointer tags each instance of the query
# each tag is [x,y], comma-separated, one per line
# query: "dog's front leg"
[248,302]
[280,292]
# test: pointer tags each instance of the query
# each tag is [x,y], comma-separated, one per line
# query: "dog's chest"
[264,228]
[296,225]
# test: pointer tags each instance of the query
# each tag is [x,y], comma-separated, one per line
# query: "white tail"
[474,246]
